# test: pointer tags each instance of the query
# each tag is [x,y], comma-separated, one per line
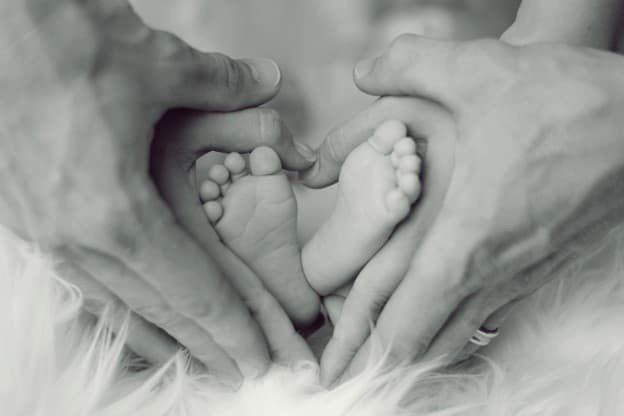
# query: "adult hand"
[83,84]
[537,176]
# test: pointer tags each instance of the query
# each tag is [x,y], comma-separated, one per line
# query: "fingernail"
[265,71]
[307,153]
[310,173]
[364,67]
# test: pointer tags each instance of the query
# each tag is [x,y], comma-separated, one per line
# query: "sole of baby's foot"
[254,211]
[379,181]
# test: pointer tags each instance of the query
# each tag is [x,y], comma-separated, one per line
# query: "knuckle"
[369,300]
[335,148]
[169,47]
[224,71]
[399,53]
[479,266]
[403,351]
[205,311]
[159,314]
[472,52]
[402,44]
[270,124]
[483,64]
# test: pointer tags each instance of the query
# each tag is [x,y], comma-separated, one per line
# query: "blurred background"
[317,44]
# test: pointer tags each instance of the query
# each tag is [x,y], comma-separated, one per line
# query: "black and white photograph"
[311,207]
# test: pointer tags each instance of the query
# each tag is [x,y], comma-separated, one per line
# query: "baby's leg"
[576,22]
[378,184]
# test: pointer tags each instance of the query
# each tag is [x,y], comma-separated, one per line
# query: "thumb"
[189,78]
[413,66]
[195,133]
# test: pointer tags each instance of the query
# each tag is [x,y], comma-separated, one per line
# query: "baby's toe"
[397,203]
[235,163]
[220,175]
[410,164]
[209,191]
[213,210]
[264,161]
[410,184]
[405,146]
[387,135]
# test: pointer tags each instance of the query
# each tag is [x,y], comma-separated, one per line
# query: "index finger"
[241,131]
[419,115]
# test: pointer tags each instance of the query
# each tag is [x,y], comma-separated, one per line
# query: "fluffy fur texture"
[561,354]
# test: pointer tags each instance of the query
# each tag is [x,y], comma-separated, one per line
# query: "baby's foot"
[256,217]
[379,182]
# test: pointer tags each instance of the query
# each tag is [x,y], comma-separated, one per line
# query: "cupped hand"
[83,85]
[536,178]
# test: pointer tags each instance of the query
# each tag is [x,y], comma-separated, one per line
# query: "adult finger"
[143,338]
[150,243]
[415,66]
[432,289]
[174,73]
[186,77]
[450,73]
[474,312]
[198,133]
[284,342]
[420,116]
[494,322]
[371,292]
[334,303]
[286,345]
[147,301]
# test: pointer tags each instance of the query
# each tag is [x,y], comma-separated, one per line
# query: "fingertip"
[265,71]
[333,305]
[297,156]
[318,177]
[363,68]
[306,152]
[330,365]
[254,369]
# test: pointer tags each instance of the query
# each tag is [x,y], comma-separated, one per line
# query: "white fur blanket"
[561,354]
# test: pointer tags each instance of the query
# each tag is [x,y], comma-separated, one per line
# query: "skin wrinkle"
[97,88]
